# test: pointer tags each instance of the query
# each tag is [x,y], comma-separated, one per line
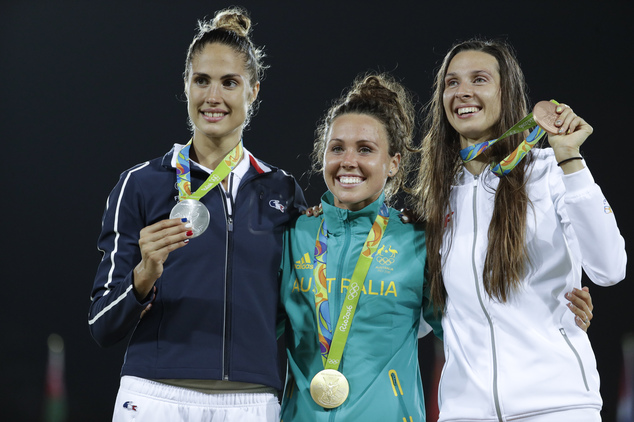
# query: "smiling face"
[218,94]
[357,162]
[471,97]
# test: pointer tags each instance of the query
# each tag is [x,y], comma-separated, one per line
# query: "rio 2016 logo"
[345,319]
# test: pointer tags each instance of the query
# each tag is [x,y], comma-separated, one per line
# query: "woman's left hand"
[314,211]
[573,131]
[581,305]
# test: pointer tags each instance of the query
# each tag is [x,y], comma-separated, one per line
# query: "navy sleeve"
[114,309]
[299,203]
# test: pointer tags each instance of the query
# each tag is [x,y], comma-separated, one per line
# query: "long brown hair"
[507,257]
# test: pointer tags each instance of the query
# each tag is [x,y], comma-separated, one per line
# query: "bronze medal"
[329,388]
[545,116]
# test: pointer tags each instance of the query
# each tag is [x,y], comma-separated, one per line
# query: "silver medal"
[195,212]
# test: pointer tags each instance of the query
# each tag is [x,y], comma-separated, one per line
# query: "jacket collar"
[465,177]
[256,166]
[337,218]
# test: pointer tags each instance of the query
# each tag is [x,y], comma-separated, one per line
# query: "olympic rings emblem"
[353,291]
[384,260]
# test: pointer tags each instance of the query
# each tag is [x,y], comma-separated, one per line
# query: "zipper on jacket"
[226,334]
[342,256]
[496,397]
[583,372]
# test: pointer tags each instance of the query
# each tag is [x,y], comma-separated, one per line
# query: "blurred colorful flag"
[55,405]
[626,396]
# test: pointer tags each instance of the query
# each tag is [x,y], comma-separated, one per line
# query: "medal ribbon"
[508,163]
[511,160]
[332,345]
[223,169]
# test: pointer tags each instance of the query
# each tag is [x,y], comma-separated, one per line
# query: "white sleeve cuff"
[579,185]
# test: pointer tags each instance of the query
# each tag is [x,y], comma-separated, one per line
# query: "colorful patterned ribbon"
[508,163]
[183,179]
[471,152]
[331,346]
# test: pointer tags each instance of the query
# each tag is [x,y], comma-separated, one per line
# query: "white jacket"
[505,361]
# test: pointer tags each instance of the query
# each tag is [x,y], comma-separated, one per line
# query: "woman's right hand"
[581,305]
[156,242]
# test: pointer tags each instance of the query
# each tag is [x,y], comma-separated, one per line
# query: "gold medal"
[329,388]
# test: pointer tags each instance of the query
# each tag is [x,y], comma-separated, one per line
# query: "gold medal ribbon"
[332,344]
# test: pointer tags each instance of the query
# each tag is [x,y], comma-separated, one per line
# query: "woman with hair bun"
[191,246]
[359,251]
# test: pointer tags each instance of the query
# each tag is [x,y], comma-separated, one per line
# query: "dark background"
[91,88]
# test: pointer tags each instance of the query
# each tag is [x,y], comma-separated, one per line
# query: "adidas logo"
[304,263]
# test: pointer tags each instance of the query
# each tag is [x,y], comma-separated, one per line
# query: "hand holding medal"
[156,242]
[568,132]
[195,213]
[189,205]
[549,116]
